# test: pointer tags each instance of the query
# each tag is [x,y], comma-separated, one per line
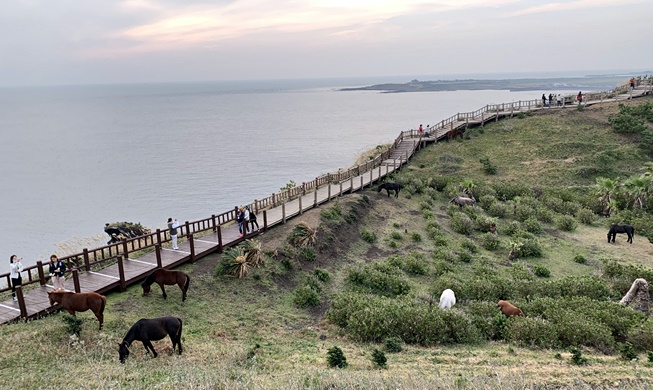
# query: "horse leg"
[630,237]
[147,344]
[72,312]
[100,318]
[181,287]
[163,290]
[388,191]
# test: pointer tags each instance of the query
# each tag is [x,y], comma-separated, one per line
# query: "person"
[632,82]
[252,219]
[559,100]
[15,268]
[172,228]
[420,131]
[543,100]
[579,97]
[550,99]
[57,272]
[240,218]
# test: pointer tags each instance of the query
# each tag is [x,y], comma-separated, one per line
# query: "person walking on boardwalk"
[252,219]
[172,228]
[15,268]
[57,271]
[543,100]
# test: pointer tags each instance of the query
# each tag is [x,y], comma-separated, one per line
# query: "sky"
[53,42]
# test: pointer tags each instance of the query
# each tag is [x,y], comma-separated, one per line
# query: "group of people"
[56,270]
[244,218]
[560,100]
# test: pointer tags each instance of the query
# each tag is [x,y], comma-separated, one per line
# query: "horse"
[147,329]
[614,229]
[74,302]
[390,187]
[162,277]
[509,310]
[463,201]
[447,299]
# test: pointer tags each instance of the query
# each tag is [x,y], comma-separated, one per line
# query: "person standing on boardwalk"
[543,100]
[632,83]
[172,228]
[252,219]
[579,97]
[559,100]
[240,218]
[550,99]
[420,131]
[15,268]
[57,271]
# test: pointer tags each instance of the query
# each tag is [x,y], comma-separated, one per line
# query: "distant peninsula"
[596,83]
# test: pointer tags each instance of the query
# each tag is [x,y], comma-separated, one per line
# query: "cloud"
[571,5]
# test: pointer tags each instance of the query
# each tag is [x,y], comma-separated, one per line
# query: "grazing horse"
[447,299]
[463,201]
[509,310]
[614,229]
[390,187]
[74,302]
[147,329]
[162,277]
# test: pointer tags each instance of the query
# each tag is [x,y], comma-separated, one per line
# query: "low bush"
[304,296]
[336,358]
[322,275]
[532,225]
[73,324]
[368,236]
[541,271]
[490,241]
[379,359]
[393,344]
[378,278]
[566,223]
[461,223]
[586,216]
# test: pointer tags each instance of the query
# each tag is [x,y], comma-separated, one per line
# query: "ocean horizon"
[77,157]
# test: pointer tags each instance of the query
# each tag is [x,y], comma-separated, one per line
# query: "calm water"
[74,158]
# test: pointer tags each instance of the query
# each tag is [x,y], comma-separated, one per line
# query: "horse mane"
[149,279]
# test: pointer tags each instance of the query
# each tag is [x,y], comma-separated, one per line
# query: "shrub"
[307,254]
[531,332]
[415,264]
[486,201]
[511,228]
[368,236]
[541,271]
[464,255]
[490,241]
[580,259]
[533,225]
[529,248]
[640,336]
[497,209]
[322,275]
[333,213]
[627,352]
[302,235]
[523,212]
[468,244]
[393,344]
[395,235]
[488,167]
[381,279]
[461,223]
[577,357]
[543,214]
[233,263]
[586,216]
[73,324]
[416,237]
[508,191]
[484,224]
[336,358]
[304,296]
[379,359]
[566,223]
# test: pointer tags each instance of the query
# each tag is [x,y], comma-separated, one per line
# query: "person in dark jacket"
[252,219]
[57,272]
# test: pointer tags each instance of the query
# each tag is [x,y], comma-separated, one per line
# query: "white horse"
[447,299]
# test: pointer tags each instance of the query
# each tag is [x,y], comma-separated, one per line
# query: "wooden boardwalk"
[126,270]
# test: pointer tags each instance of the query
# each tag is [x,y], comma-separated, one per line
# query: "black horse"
[147,329]
[390,187]
[614,229]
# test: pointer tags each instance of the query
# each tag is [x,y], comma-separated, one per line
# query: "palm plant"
[467,188]
[637,189]
[303,235]
[234,261]
[605,189]
[253,252]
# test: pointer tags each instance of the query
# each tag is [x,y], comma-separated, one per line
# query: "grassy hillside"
[387,261]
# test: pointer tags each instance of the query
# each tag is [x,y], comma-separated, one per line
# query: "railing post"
[340,194]
[77,287]
[274,203]
[191,241]
[315,197]
[371,177]
[265,220]
[187,225]
[158,236]
[213,221]
[303,188]
[362,183]
[157,250]
[329,192]
[351,184]
[39,264]
[21,302]
[300,206]
[124,249]
[121,273]
[283,213]
[220,237]
[87,265]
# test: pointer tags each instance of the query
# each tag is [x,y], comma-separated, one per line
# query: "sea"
[76,157]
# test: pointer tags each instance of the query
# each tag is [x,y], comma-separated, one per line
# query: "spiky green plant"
[303,235]
[253,252]
[235,262]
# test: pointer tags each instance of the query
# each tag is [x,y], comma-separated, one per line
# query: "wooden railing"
[89,259]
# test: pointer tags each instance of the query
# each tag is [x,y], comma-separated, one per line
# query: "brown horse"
[74,302]
[162,277]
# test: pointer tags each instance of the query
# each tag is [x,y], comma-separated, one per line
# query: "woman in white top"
[15,268]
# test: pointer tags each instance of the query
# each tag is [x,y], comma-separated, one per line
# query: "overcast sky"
[109,41]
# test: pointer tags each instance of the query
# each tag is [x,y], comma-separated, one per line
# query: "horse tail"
[104,303]
[187,284]
[178,333]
